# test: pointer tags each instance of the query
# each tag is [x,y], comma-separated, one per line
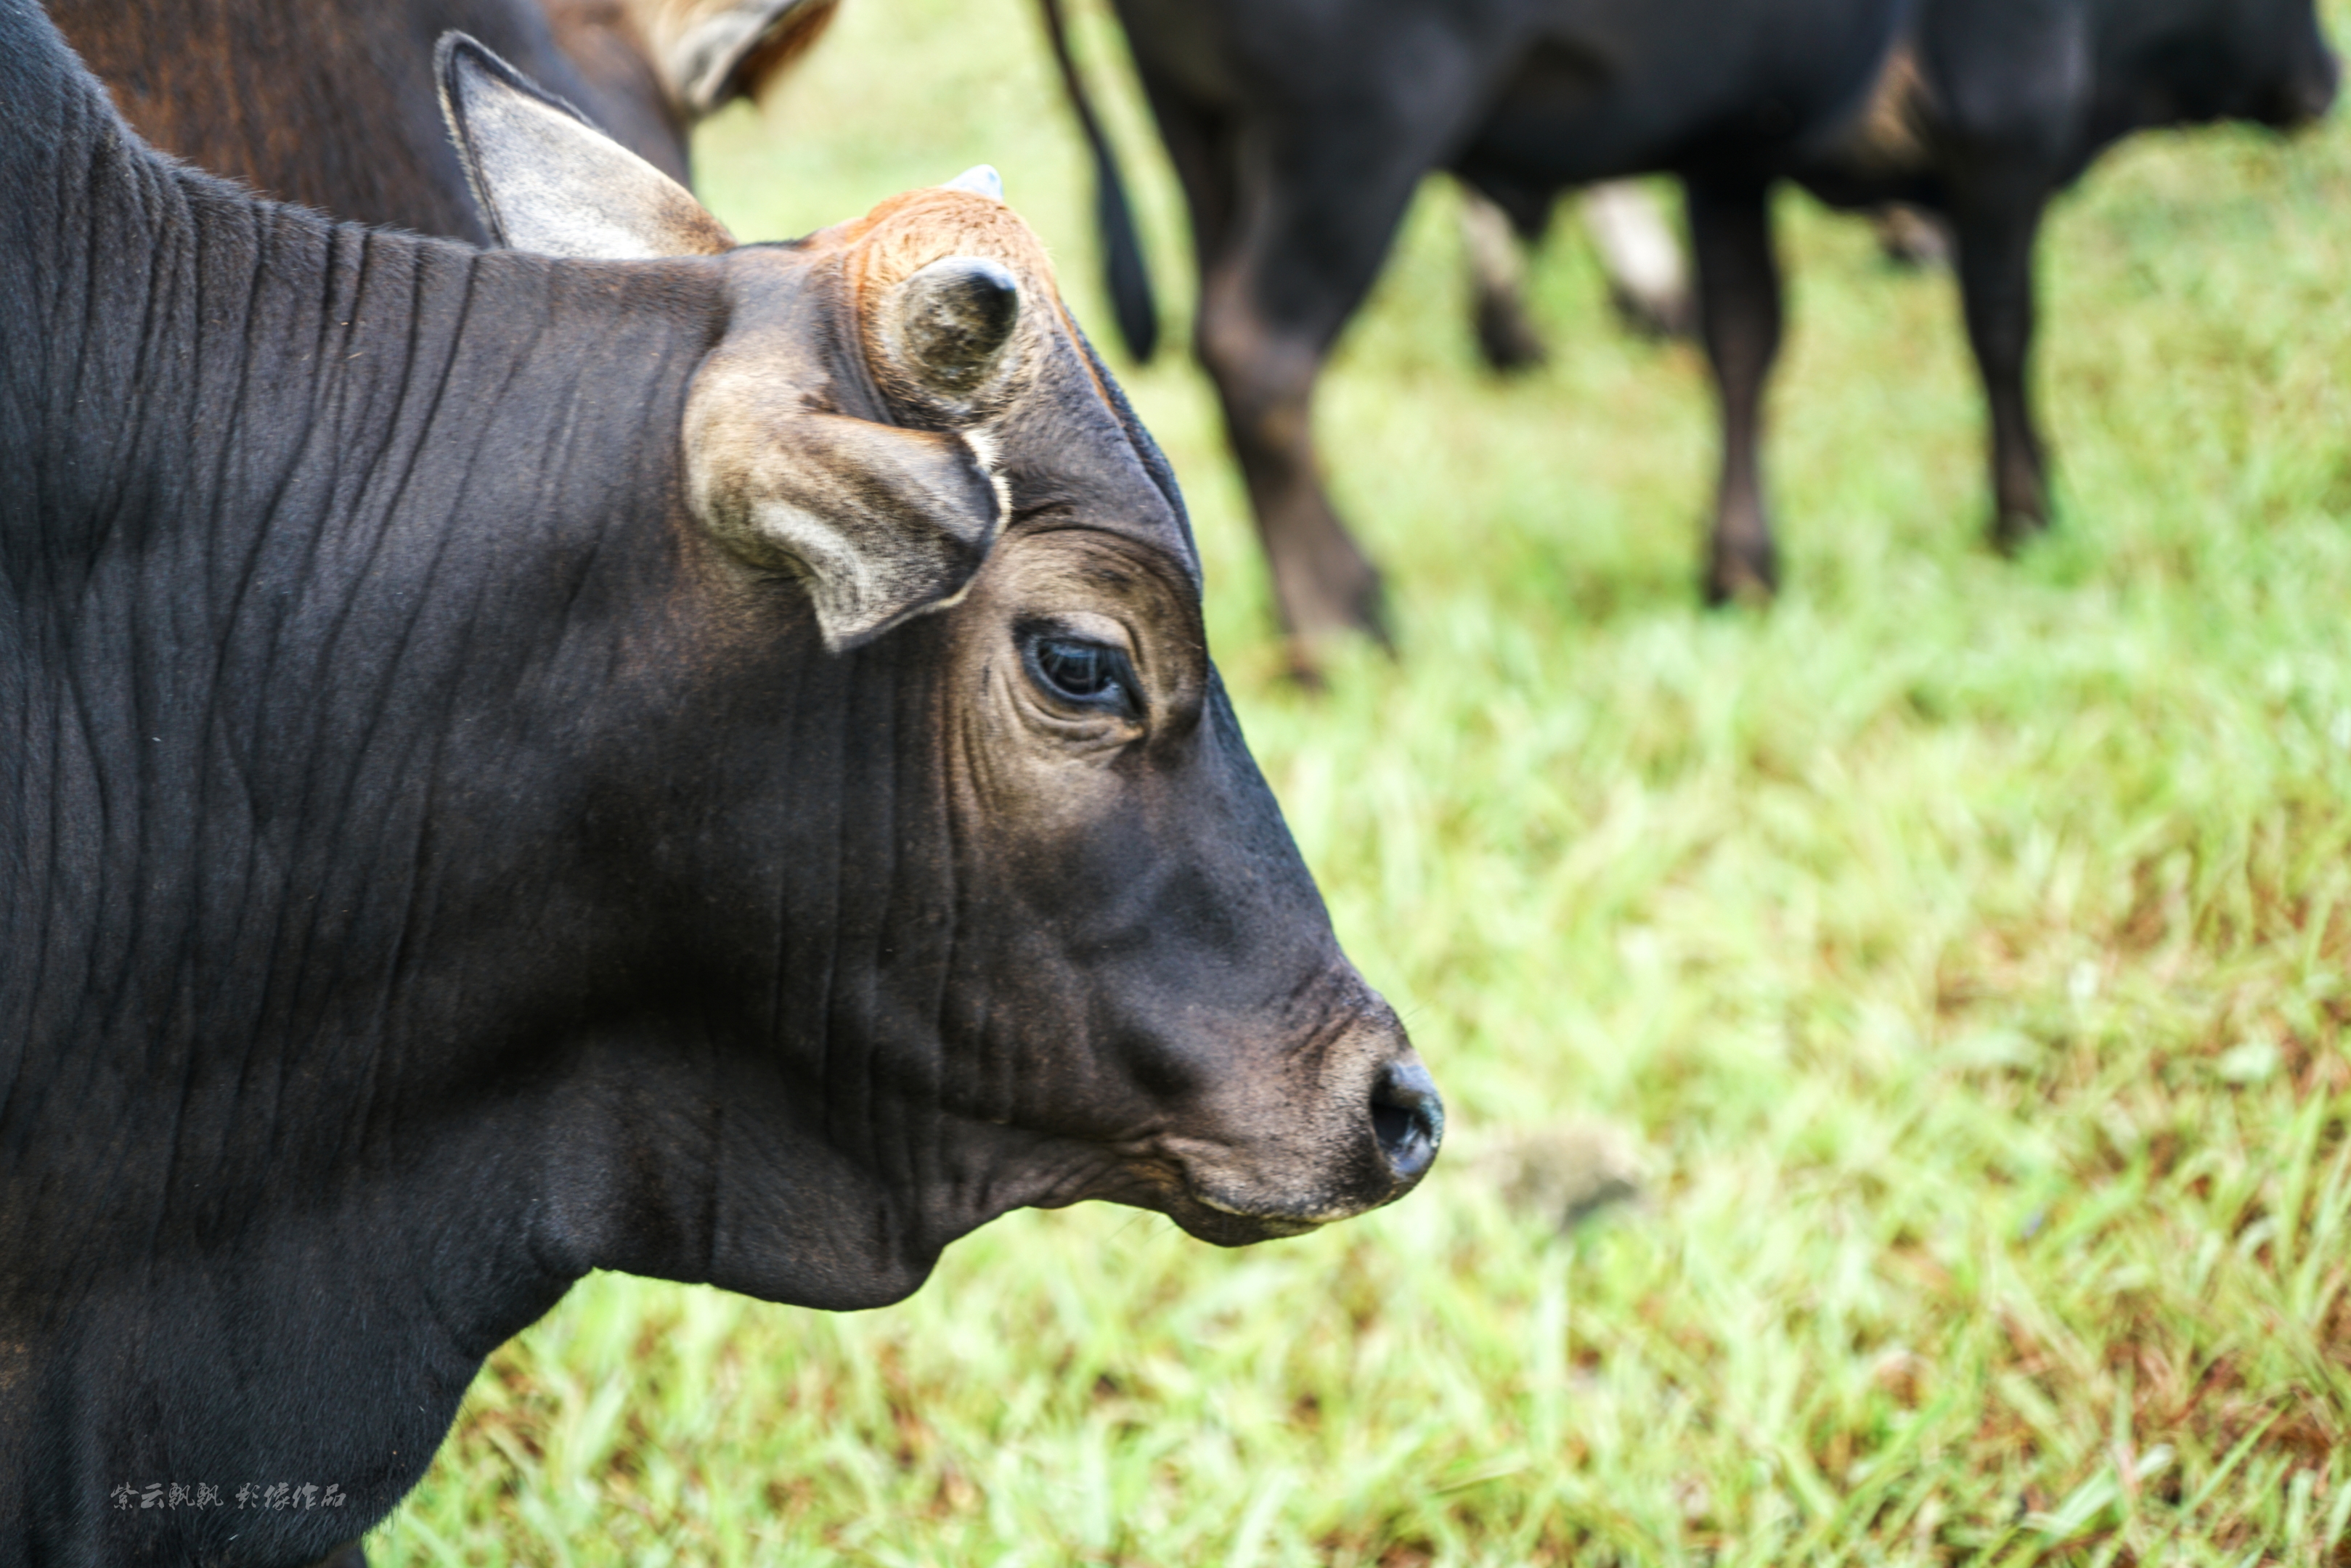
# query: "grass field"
[1961,951]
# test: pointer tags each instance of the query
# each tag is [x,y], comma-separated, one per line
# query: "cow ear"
[879,522]
[709,55]
[550,182]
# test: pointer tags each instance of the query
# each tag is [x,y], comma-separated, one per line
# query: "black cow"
[1300,129]
[513,764]
[1988,109]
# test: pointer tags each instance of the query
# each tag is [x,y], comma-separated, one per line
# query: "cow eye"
[1081,672]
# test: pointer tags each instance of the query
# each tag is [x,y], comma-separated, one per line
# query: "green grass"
[1961,945]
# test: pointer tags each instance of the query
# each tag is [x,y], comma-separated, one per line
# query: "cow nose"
[2318,94]
[2308,101]
[1408,1118]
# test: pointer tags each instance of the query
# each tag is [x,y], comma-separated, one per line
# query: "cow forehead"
[901,235]
[908,232]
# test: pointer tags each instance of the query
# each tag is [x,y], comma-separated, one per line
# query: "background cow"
[1632,239]
[1989,108]
[522,763]
[331,102]
[1299,131]
[1637,244]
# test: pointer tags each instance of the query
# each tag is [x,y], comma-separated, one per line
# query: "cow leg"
[1265,370]
[1498,284]
[1996,232]
[1739,319]
[346,1556]
[1648,281]
[1264,362]
[1201,145]
[1314,218]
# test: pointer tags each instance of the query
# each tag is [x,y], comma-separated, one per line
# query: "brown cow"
[331,103]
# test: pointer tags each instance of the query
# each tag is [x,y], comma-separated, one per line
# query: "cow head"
[1087,960]
[2284,53]
[2262,60]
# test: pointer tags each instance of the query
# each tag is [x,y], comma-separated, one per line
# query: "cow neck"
[316,545]
[289,502]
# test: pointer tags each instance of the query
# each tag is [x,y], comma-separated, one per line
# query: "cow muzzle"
[2309,99]
[1286,1158]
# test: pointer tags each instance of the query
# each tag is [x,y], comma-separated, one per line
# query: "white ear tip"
[980,179]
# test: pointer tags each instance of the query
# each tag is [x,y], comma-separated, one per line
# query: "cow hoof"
[1666,318]
[2015,528]
[1306,656]
[1323,602]
[1301,665]
[1739,577]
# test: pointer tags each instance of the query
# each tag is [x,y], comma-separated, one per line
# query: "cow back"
[331,103]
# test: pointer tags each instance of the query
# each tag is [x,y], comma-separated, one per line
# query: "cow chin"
[1225,1228]
[1208,1217]
[1268,1141]
[1217,1203]
[1209,1199]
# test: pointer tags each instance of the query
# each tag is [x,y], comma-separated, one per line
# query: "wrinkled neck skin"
[395,919]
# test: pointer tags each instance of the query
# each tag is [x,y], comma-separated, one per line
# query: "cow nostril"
[1408,1118]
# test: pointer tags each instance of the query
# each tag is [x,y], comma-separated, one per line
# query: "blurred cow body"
[331,103]
[1300,129]
[1987,111]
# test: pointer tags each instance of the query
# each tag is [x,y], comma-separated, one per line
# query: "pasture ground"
[1959,947]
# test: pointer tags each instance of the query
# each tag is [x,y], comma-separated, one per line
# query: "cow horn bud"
[979,180]
[953,319]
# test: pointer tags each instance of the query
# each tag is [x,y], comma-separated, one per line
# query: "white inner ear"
[560,188]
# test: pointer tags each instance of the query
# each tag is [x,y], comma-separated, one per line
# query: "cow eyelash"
[1079,671]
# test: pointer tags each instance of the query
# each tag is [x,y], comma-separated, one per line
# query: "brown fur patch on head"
[908,232]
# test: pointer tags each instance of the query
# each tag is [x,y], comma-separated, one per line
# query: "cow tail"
[1125,273]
